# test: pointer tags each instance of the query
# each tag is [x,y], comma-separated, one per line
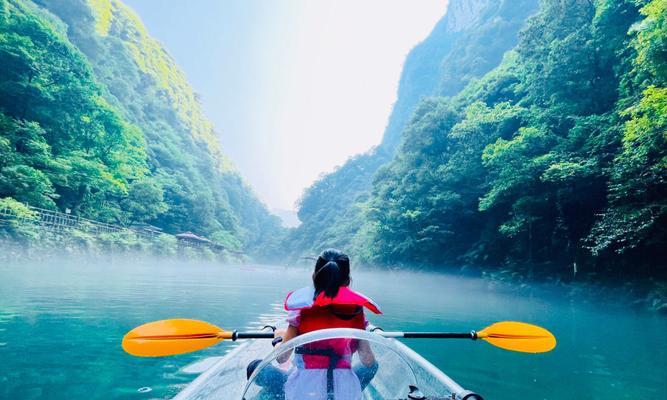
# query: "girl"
[324,369]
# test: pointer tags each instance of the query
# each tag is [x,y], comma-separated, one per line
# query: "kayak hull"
[226,378]
[401,370]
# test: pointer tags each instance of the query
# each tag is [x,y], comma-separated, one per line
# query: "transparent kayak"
[398,372]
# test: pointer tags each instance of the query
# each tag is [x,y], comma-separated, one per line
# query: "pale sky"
[293,87]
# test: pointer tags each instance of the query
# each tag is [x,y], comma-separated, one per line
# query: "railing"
[59,221]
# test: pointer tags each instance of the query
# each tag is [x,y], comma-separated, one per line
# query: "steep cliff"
[467,42]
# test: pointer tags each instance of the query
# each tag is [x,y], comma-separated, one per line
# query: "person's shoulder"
[300,298]
[360,299]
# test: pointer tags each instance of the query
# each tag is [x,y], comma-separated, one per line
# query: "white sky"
[294,87]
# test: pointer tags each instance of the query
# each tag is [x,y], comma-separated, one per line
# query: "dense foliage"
[332,209]
[62,143]
[467,42]
[554,161]
[96,117]
[557,157]
[541,142]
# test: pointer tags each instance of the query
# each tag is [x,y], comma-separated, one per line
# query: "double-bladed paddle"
[177,336]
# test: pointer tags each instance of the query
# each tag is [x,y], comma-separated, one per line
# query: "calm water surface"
[61,324]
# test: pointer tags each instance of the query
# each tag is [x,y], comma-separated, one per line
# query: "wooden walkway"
[63,222]
[60,221]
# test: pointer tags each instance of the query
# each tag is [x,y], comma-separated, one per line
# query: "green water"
[61,324]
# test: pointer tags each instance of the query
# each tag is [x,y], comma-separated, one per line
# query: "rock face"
[467,42]
[462,14]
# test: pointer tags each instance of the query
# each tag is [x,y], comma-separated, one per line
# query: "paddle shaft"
[430,335]
[252,335]
[406,335]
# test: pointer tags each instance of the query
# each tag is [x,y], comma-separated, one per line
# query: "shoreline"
[648,293]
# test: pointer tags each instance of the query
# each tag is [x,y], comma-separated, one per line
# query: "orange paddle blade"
[172,336]
[518,336]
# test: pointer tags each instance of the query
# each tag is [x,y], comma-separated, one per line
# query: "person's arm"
[288,334]
[366,355]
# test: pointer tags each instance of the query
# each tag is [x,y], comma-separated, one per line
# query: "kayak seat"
[252,365]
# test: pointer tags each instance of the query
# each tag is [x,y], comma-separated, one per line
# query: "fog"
[70,314]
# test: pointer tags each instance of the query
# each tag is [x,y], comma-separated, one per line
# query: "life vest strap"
[344,316]
[333,361]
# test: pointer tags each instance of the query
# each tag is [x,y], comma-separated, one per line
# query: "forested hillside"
[97,118]
[467,42]
[555,160]
[556,157]
[527,134]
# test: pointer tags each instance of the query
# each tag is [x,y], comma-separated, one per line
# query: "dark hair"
[332,270]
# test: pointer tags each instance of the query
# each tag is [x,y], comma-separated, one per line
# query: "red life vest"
[343,311]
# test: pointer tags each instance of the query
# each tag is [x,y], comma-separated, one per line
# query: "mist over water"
[61,324]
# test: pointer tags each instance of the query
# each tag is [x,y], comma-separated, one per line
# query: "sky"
[293,87]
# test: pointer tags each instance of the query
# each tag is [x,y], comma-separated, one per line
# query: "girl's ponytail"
[328,279]
[332,270]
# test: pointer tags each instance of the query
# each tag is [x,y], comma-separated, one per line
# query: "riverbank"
[641,293]
[106,246]
[27,233]
[645,293]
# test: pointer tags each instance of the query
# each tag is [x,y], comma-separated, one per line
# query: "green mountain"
[98,118]
[553,162]
[467,42]
[556,160]
[535,142]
